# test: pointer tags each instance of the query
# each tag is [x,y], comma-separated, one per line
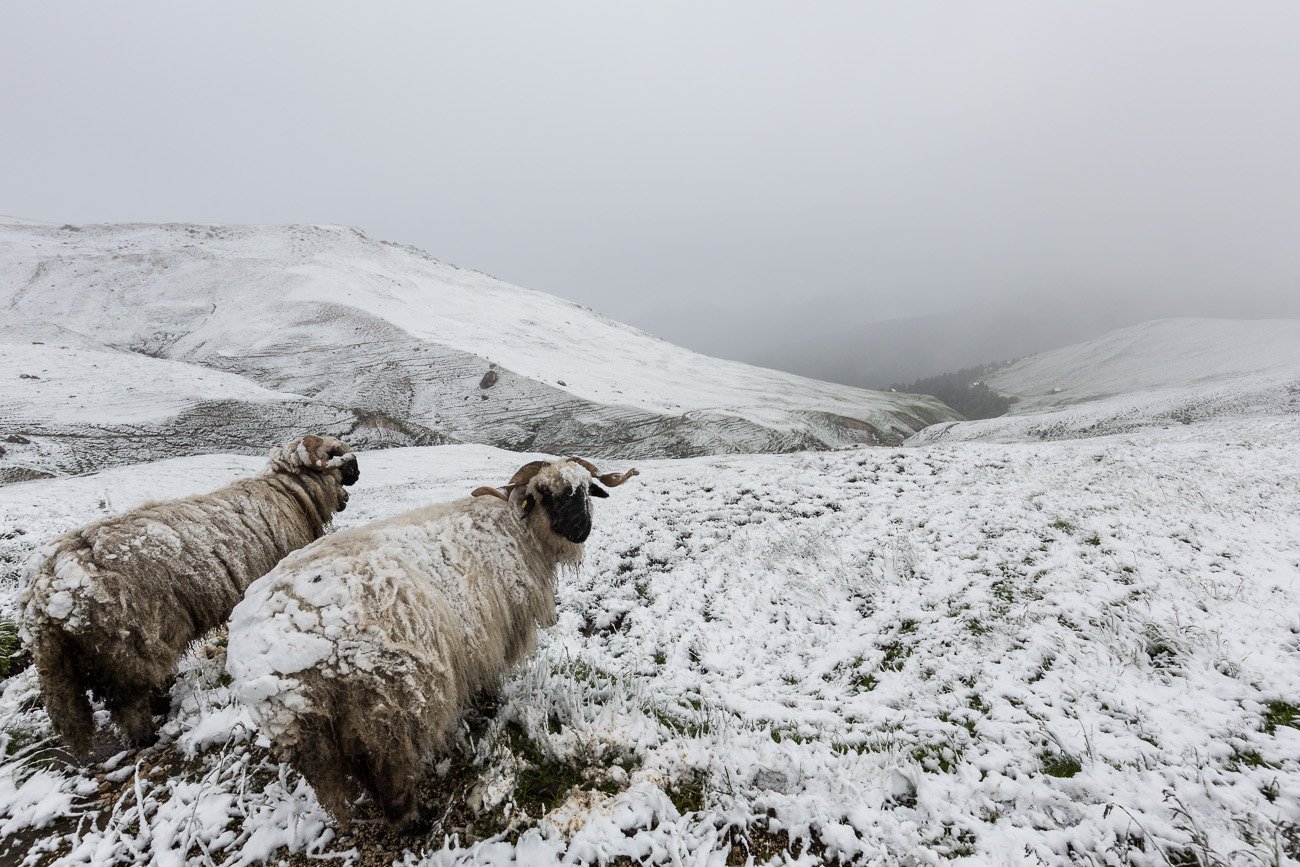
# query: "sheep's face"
[561,495]
[554,497]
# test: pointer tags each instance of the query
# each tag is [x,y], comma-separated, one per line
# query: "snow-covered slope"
[972,653]
[1164,372]
[384,339]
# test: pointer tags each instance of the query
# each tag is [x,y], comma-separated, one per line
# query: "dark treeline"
[964,391]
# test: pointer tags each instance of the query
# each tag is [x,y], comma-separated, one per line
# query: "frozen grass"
[1067,652]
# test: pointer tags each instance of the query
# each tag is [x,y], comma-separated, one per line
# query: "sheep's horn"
[587,465]
[321,453]
[522,476]
[613,480]
[610,480]
[314,450]
[525,474]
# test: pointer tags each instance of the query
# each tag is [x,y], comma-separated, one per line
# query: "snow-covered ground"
[1079,651]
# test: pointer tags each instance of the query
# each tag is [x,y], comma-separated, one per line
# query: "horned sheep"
[111,606]
[357,654]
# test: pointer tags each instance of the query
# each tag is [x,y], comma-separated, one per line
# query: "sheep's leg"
[318,758]
[130,706]
[64,687]
[390,775]
[160,698]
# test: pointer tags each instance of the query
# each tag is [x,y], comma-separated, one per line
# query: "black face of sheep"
[569,511]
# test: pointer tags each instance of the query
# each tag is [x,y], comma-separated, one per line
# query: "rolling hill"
[235,337]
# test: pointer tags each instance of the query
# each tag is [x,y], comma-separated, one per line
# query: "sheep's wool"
[403,608]
[109,607]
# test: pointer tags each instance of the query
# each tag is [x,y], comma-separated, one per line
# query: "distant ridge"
[1159,373]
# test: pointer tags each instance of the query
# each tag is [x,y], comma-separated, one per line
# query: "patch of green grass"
[694,727]
[895,654]
[965,722]
[542,781]
[1061,766]
[1248,758]
[1043,668]
[1160,650]
[1281,713]
[1063,525]
[935,757]
[584,672]
[1093,540]
[13,655]
[15,740]
[954,843]
[688,793]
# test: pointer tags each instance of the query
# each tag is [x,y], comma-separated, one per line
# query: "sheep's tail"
[64,685]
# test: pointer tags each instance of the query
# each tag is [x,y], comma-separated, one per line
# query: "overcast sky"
[905,158]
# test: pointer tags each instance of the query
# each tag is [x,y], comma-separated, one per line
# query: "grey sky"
[905,157]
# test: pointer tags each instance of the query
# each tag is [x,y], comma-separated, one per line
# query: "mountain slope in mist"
[881,354]
[1159,373]
[323,327]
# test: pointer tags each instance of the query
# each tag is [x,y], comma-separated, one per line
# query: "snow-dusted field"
[1081,651]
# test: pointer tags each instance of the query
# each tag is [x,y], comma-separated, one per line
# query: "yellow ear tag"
[525,504]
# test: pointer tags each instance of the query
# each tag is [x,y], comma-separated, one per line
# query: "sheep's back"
[162,573]
[416,612]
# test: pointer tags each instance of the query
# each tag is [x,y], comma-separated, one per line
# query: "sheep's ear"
[596,490]
[485,491]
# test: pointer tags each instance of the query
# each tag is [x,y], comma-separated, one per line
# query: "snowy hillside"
[325,327]
[972,653]
[1160,373]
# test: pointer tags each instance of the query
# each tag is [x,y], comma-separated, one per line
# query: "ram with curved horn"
[358,654]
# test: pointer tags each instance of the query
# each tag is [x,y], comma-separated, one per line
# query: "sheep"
[357,654]
[111,606]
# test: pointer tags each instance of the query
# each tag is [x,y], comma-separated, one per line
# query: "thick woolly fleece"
[109,607]
[357,654]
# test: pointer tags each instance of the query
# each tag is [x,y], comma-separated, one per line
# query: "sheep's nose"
[572,521]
